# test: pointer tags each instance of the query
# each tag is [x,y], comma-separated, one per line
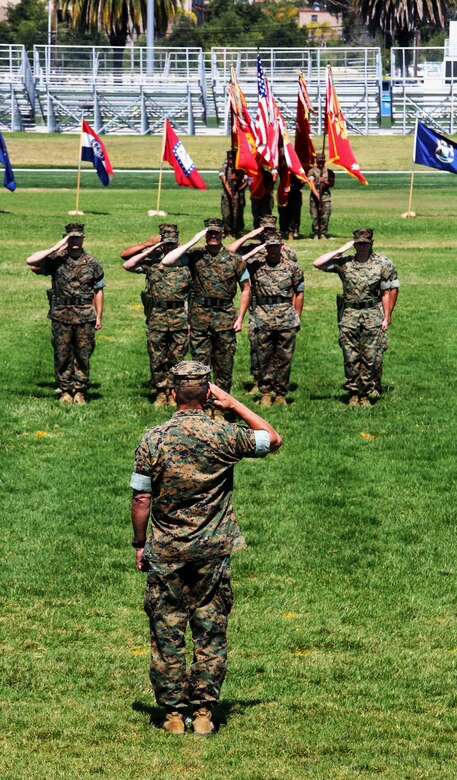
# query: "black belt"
[270,300]
[168,304]
[362,304]
[210,302]
[71,301]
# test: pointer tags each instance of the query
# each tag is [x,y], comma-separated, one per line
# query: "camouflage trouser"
[233,214]
[73,346]
[363,351]
[199,593]
[275,349]
[252,336]
[262,207]
[216,349]
[166,349]
[294,211]
[320,214]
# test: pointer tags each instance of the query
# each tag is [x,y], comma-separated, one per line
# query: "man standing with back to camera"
[184,470]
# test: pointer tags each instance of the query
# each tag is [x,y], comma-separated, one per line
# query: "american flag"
[266,125]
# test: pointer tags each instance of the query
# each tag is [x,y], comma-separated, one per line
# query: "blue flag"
[8,178]
[435,150]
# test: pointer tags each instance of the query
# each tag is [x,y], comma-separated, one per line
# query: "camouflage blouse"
[364,281]
[283,280]
[73,279]
[188,464]
[214,278]
[166,283]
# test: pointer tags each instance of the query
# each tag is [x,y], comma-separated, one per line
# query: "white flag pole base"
[154,213]
[76,213]
[407,214]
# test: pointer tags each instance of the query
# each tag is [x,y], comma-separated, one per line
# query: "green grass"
[342,643]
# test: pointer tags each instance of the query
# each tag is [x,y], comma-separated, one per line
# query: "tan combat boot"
[353,400]
[79,399]
[174,723]
[202,723]
[281,400]
[66,398]
[365,402]
[254,390]
[265,399]
[161,399]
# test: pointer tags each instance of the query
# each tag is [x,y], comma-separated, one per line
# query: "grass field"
[342,642]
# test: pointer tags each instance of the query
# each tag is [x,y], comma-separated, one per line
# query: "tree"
[26,23]
[117,18]
[401,19]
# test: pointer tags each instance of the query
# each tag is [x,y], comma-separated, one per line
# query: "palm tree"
[400,19]
[117,18]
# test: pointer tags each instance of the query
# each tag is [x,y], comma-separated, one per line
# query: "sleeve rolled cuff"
[244,276]
[390,285]
[99,284]
[141,483]
[262,443]
[300,288]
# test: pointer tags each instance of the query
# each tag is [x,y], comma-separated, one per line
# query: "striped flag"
[266,124]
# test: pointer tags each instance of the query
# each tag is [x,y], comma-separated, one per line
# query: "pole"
[77,212]
[157,212]
[409,213]
[150,21]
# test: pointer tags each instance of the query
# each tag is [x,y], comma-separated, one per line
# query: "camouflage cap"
[320,157]
[169,232]
[214,223]
[363,236]
[269,220]
[190,373]
[230,151]
[275,239]
[74,229]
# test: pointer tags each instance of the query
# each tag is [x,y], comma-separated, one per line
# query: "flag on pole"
[174,153]
[8,177]
[434,150]
[303,142]
[93,150]
[266,125]
[242,128]
[339,148]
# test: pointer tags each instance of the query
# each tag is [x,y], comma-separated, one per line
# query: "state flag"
[186,174]
[8,177]
[93,150]
[434,150]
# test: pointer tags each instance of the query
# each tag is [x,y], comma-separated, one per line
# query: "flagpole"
[410,213]
[77,212]
[157,212]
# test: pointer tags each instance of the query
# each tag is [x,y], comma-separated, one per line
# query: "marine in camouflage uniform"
[370,288]
[216,273]
[165,300]
[255,239]
[184,469]
[320,208]
[233,199]
[76,309]
[262,199]
[278,289]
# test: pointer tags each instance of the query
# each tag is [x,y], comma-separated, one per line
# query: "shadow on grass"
[222,713]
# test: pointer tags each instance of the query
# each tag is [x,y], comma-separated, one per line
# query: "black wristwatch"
[138,545]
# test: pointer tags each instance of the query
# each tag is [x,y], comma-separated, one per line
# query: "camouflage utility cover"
[73,278]
[189,460]
[364,281]
[214,277]
[285,280]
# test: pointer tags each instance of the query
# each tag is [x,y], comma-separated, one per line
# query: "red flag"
[266,125]
[242,127]
[288,153]
[174,153]
[339,148]
[246,158]
[303,142]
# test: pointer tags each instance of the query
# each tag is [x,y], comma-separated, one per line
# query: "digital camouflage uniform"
[275,318]
[212,312]
[320,210]
[360,317]
[166,321]
[262,199]
[187,465]
[232,209]
[72,312]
